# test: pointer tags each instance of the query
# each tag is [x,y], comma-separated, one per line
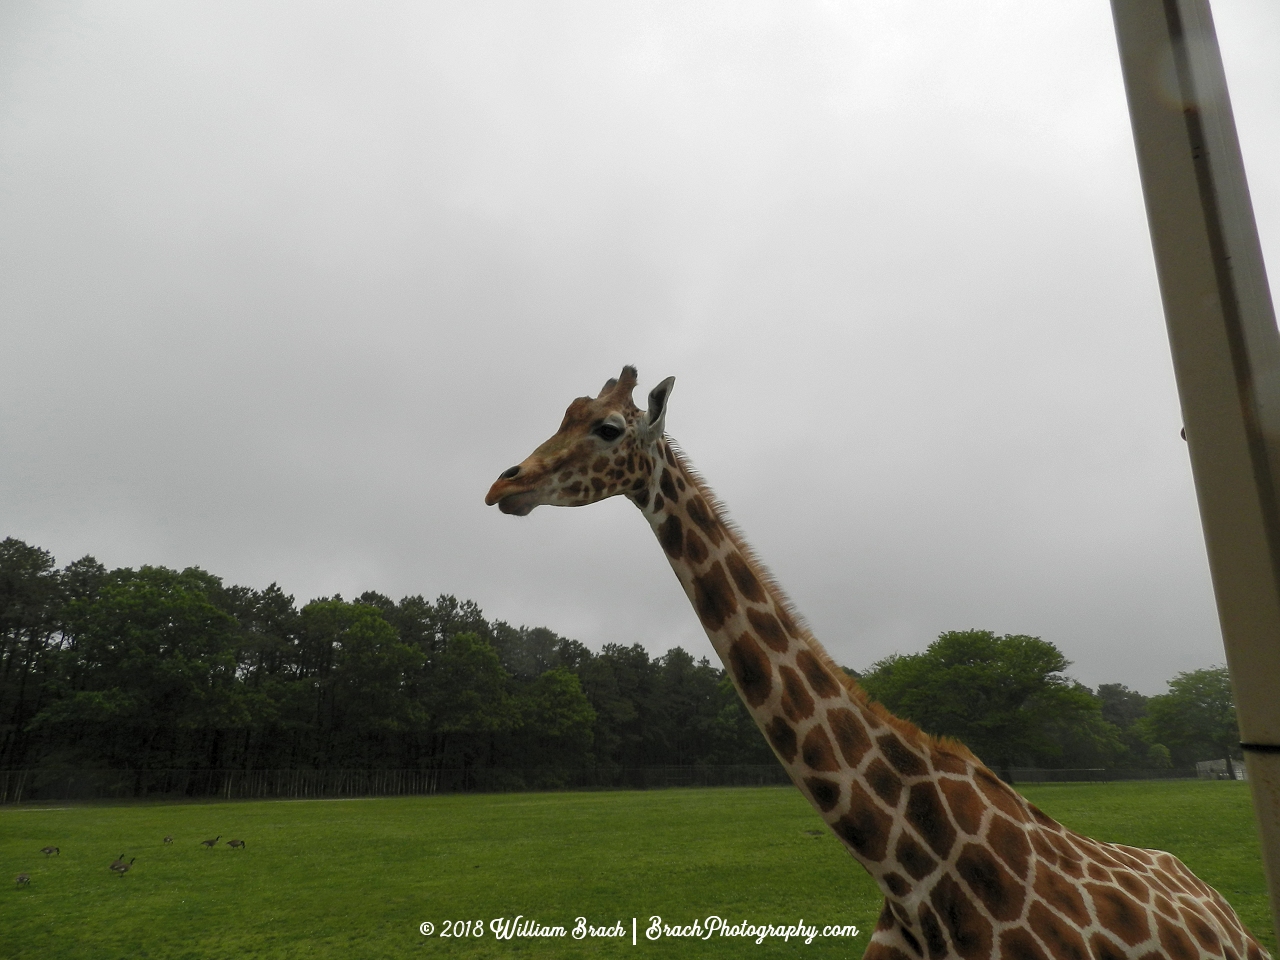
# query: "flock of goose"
[119,866]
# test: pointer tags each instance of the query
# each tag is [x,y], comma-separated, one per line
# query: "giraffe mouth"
[519,504]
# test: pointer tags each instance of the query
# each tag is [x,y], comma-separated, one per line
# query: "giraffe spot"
[911,940]
[965,804]
[886,921]
[896,883]
[907,761]
[1105,949]
[1177,945]
[767,628]
[700,514]
[638,484]
[694,547]
[574,488]
[817,752]
[1018,944]
[933,936]
[748,583]
[680,482]
[612,487]
[999,892]
[1134,887]
[713,598]
[944,761]
[900,912]
[631,463]
[751,669]
[999,794]
[668,454]
[597,484]
[796,702]
[600,464]
[566,476]
[926,814]
[882,951]
[1070,861]
[658,503]
[1096,872]
[1044,819]
[1255,952]
[820,681]
[1063,942]
[913,857]
[851,736]
[1009,842]
[886,783]
[1164,906]
[825,793]
[1225,924]
[1119,913]
[671,536]
[788,623]
[619,460]
[642,498]
[970,930]
[668,487]
[1202,931]
[783,737]
[1061,894]
[865,828]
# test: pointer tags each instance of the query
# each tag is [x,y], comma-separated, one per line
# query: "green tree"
[1196,719]
[1007,698]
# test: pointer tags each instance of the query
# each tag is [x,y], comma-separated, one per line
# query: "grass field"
[356,878]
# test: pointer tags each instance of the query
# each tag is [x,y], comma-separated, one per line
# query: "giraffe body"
[969,869]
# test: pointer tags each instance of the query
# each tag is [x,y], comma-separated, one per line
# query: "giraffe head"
[605,446]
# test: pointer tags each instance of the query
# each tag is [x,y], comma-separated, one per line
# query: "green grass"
[356,878]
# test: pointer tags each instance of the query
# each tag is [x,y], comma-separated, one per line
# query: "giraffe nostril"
[509,473]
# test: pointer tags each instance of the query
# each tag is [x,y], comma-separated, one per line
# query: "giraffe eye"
[607,431]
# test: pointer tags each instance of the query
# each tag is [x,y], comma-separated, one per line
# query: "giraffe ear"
[656,417]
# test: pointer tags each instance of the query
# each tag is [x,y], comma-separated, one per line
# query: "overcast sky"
[284,286]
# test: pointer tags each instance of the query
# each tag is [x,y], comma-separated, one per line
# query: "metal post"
[1226,353]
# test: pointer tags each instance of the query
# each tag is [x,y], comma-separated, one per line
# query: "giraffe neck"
[872,777]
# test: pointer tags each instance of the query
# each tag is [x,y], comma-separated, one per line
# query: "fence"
[17,786]
[1096,775]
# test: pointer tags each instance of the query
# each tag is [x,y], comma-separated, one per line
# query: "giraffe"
[968,868]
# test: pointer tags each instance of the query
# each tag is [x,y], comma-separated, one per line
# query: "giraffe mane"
[906,728]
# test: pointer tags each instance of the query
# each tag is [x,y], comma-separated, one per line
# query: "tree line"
[153,668]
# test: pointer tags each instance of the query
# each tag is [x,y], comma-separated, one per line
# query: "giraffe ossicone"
[969,869]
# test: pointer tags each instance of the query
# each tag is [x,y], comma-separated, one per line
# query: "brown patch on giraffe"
[574,488]
[788,623]
[1163,904]
[701,514]
[597,485]
[668,487]
[1202,931]
[1119,913]
[751,669]
[1044,819]
[642,498]
[945,760]
[638,484]
[680,483]
[1105,949]
[1126,857]
[882,951]
[744,577]
[929,818]
[599,464]
[1224,923]
[825,793]
[817,752]
[914,858]
[970,930]
[999,794]
[1096,872]
[671,536]
[668,454]
[911,940]
[820,682]
[796,702]
[904,918]
[658,503]
[1255,952]
[886,783]
[1019,944]
[713,598]
[1177,945]
[865,828]
[999,892]
[851,736]
[619,460]
[896,883]
[886,920]
[694,548]
[934,939]
[566,476]
[1134,887]
[1071,862]
[965,804]
[1009,841]
[1061,894]
[783,737]
[908,762]
[1062,941]
[767,628]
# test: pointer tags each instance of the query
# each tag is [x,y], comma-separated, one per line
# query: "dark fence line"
[17,786]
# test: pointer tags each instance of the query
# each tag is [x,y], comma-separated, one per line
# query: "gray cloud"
[285,287]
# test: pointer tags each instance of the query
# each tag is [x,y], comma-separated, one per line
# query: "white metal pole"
[1226,353]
